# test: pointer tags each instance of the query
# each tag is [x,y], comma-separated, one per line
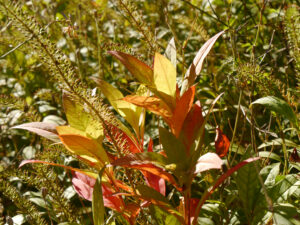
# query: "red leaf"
[294,157]
[183,106]
[83,185]
[120,135]
[191,125]
[221,143]
[131,161]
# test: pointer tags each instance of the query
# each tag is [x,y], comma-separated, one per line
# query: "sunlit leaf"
[279,106]
[142,72]
[85,147]
[46,130]
[208,161]
[152,104]
[195,68]
[128,111]
[221,143]
[79,119]
[165,78]
[170,52]
[128,143]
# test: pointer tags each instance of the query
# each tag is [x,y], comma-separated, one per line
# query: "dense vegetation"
[159,141]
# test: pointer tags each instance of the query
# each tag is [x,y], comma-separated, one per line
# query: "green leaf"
[271,155]
[162,217]
[279,106]
[248,188]
[130,112]
[271,178]
[284,189]
[97,203]
[79,119]
[149,193]
[278,141]
[173,147]
[165,79]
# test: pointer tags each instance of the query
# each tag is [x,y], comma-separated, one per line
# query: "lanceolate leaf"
[153,104]
[142,72]
[147,162]
[46,130]
[183,106]
[162,217]
[279,106]
[165,78]
[83,185]
[195,68]
[127,110]
[86,148]
[171,52]
[221,143]
[97,203]
[87,173]
[173,147]
[192,123]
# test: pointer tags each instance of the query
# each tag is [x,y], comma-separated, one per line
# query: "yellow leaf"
[165,79]
[80,119]
[86,148]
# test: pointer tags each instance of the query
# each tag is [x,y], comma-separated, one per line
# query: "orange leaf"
[191,125]
[183,106]
[153,104]
[221,143]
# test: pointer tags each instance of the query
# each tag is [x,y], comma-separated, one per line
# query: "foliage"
[130,122]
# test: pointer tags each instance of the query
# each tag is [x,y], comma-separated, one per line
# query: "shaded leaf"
[46,130]
[183,106]
[195,68]
[294,157]
[173,147]
[192,123]
[208,161]
[162,217]
[221,143]
[279,106]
